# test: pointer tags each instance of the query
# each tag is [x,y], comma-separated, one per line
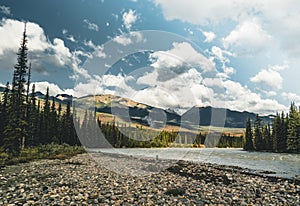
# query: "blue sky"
[243,56]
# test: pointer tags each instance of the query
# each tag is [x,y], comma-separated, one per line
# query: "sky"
[175,54]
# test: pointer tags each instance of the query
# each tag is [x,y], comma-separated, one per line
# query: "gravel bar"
[106,179]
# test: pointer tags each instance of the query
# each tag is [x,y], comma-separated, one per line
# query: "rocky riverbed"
[103,179]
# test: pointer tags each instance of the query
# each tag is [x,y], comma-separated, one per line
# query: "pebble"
[83,181]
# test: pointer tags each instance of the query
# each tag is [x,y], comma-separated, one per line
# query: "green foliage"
[284,136]
[249,136]
[49,151]
[293,139]
[24,124]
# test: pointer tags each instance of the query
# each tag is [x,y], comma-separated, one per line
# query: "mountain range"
[130,111]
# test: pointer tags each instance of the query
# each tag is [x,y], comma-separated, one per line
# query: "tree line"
[96,133]
[27,121]
[282,136]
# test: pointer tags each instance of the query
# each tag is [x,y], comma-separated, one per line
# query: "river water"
[280,164]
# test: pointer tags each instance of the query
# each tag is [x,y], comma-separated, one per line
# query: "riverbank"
[48,151]
[106,180]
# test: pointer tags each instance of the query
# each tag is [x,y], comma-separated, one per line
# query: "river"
[279,164]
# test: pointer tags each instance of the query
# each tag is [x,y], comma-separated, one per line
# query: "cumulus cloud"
[5,10]
[91,25]
[247,38]
[180,56]
[205,12]
[291,97]
[238,97]
[45,56]
[129,18]
[280,18]
[54,89]
[209,36]
[269,77]
[42,51]
[129,38]
[222,56]
[183,91]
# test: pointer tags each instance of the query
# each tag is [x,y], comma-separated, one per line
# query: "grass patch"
[49,151]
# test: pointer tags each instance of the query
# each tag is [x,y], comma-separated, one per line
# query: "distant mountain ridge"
[147,115]
[59,98]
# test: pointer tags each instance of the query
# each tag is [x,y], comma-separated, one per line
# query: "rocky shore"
[102,179]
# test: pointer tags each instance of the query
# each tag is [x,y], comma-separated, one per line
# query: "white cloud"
[129,18]
[98,49]
[53,88]
[209,36]
[2,85]
[123,40]
[238,97]
[292,97]
[270,93]
[128,38]
[279,67]
[247,38]
[91,25]
[269,77]
[279,18]
[181,55]
[45,56]
[42,51]
[69,37]
[283,20]
[221,55]
[213,82]
[5,10]
[180,93]
[204,12]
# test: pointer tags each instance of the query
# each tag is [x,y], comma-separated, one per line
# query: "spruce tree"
[53,122]
[293,139]
[4,112]
[33,121]
[46,138]
[258,142]
[249,136]
[15,130]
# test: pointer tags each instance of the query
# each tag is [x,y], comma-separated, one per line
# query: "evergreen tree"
[249,137]
[4,112]
[53,122]
[33,120]
[68,126]
[258,142]
[59,124]
[293,139]
[15,130]
[45,130]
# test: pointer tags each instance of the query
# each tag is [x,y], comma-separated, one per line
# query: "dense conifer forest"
[27,121]
[282,136]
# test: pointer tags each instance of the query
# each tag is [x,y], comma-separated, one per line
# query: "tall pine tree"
[15,130]
[248,134]
[293,139]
